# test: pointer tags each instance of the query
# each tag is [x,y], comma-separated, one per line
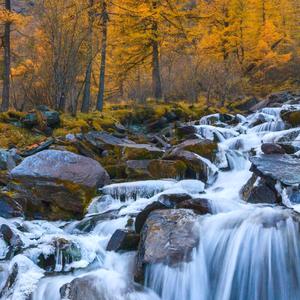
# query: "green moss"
[207,150]
[117,171]
[292,117]
[131,153]
[167,169]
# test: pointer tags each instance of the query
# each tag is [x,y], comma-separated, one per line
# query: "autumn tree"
[86,99]
[7,55]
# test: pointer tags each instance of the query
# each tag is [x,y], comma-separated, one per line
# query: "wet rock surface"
[123,240]
[284,168]
[168,236]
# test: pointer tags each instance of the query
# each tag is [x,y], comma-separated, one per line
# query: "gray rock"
[284,168]
[168,237]
[57,184]
[54,165]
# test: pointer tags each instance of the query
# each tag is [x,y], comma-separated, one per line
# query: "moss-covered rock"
[204,148]
[57,184]
[117,171]
[291,117]
[141,151]
[167,169]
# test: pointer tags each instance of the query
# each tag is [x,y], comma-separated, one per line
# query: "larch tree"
[86,99]
[104,25]
[7,58]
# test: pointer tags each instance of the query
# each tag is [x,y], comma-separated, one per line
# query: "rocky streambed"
[209,211]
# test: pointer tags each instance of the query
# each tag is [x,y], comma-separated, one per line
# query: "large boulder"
[57,184]
[276,167]
[168,237]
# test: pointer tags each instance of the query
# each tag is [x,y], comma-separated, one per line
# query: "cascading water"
[245,251]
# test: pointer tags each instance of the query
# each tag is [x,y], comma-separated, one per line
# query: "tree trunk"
[86,100]
[100,98]
[7,58]
[156,79]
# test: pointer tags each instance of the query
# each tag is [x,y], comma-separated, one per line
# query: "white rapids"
[245,251]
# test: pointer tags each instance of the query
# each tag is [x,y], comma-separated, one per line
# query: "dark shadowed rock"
[12,240]
[123,240]
[246,104]
[168,237]
[263,193]
[284,168]
[257,190]
[199,205]
[38,148]
[270,148]
[10,281]
[185,131]
[289,148]
[65,253]
[57,184]
[10,207]
[172,200]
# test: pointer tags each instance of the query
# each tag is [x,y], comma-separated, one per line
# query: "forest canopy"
[76,55]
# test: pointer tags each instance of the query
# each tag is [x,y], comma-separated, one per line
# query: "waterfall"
[244,252]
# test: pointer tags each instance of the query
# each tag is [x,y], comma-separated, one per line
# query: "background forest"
[76,55]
